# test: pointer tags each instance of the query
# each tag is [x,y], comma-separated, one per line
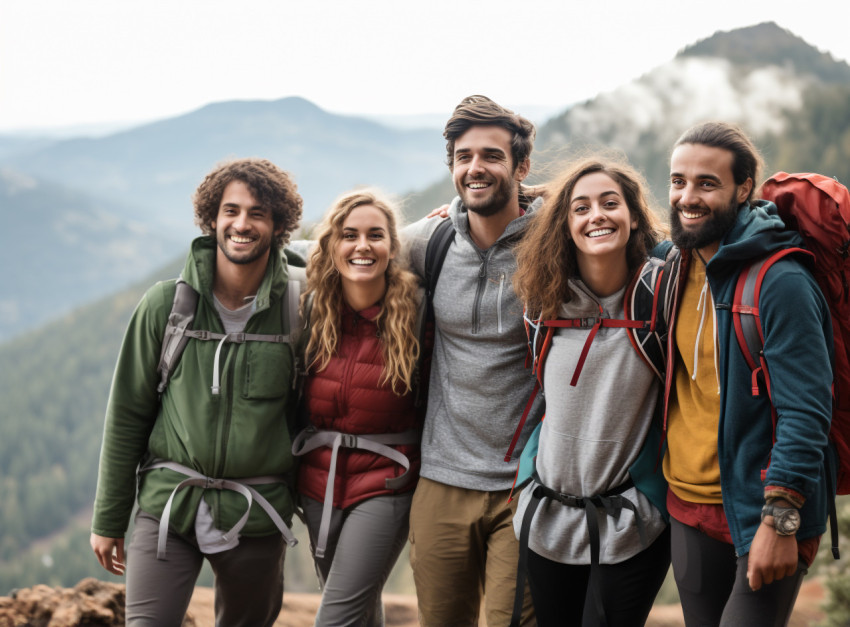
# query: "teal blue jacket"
[798,348]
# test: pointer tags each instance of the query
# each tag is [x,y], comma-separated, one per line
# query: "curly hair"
[397,318]
[541,279]
[481,111]
[270,186]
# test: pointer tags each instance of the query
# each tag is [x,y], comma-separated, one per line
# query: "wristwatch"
[786,520]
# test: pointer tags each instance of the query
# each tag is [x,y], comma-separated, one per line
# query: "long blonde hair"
[546,256]
[397,318]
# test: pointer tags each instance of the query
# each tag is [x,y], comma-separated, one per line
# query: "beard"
[712,230]
[243,258]
[502,191]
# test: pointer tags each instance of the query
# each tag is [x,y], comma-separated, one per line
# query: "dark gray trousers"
[363,545]
[248,579]
[713,584]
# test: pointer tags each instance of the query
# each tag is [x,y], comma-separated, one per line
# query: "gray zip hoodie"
[479,384]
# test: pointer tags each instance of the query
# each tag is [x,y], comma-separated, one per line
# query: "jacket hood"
[199,272]
[459,216]
[757,231]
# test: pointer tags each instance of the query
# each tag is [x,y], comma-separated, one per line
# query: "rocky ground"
[93,603]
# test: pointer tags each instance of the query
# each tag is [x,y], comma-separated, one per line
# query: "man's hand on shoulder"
[439,212]
[109,552]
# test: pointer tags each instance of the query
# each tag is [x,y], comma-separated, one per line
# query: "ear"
[634,225]
[522,170]
[744,190]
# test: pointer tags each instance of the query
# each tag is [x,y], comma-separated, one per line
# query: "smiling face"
[483,171]
[243,229]
[704,198]
[599,220]
[364,249]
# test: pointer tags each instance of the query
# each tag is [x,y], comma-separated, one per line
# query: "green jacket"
[242,432]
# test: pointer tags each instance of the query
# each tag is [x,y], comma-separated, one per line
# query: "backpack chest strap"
[594,324]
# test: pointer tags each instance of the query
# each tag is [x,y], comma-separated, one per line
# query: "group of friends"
[382,415]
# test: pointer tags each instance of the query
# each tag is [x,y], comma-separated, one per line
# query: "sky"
[91,62]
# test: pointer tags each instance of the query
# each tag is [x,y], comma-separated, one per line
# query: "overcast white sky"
[93,61]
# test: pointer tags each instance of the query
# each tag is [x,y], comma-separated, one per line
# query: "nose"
[686,194]
[596,214]
[475,165]
[240,223]
[362,243]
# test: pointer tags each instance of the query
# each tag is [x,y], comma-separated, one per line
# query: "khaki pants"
[462,545]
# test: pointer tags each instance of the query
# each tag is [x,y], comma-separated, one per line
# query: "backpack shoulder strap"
[746,316]
[175,339]
[435,254]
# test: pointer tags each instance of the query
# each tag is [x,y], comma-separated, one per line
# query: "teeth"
[478,185]
[362,262]
[240,240]
[693,215]
[600,232]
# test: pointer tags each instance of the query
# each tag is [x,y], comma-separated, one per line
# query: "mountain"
[156,167]
[792,99]
[56,379]
[63,248]
[108,210]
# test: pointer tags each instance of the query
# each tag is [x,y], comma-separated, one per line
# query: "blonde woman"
[360,453]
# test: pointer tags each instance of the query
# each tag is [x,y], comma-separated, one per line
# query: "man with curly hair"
[209,449]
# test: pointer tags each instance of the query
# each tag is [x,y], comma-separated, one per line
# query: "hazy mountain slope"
[791,98]
[63,248]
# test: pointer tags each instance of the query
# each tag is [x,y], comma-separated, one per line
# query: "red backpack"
[817,207]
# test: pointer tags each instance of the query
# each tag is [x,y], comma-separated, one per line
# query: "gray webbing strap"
[311,438]
[242,486]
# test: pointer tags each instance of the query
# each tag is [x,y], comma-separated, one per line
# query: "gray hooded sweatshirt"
[479,384]
[591,435]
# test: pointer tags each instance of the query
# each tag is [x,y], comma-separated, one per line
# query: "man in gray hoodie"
[461,533]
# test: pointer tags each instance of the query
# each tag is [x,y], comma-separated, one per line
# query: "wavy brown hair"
[546,256]
[481,111]
[270,186]
[397,318]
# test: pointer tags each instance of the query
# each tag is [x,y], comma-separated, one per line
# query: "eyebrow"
[492,151]
[372,228]
[236,205]
[611,192]
[711,177]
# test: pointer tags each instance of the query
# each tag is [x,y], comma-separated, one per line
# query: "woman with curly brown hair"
[361,450]
[597,545]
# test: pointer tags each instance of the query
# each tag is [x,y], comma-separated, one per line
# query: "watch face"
[787,522]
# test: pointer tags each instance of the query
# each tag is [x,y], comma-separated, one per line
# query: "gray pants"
[248,579]
[363,545]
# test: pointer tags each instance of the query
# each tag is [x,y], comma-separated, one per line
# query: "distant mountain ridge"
[156,167]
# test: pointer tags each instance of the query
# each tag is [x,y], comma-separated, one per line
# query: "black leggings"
[713,584]
[562,596]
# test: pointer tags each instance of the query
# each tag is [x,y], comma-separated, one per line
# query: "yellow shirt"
[691,465]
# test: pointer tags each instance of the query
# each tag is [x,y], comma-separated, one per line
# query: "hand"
[109,552]
[772,557]
[439,212]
